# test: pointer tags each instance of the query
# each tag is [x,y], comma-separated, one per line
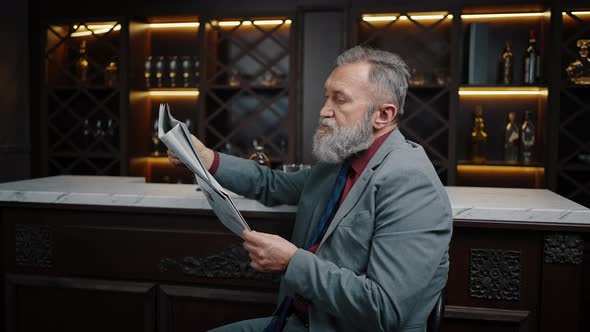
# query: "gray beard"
[342,142]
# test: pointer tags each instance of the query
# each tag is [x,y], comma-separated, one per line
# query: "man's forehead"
[348,76]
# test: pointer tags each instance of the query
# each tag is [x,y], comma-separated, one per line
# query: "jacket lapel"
[321,198]
[395,139]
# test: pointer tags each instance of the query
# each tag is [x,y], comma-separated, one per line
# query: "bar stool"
[436,315]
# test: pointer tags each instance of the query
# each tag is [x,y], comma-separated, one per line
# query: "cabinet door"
[182,308]
[36,303]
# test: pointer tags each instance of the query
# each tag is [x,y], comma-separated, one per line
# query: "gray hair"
[389,73]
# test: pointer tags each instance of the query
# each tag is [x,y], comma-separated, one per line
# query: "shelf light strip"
[257,22]
[174,25]
[578,13]
[99,31]
[393,17]
[503,91]
[174,93]
[505,15]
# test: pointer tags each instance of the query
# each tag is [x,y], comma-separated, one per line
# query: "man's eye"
[341,101]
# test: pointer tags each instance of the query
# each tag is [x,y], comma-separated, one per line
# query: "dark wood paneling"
[199,309]
[518,262]
[458,318]
[63,304]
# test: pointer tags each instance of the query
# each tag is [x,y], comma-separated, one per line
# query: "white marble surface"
[117,191]
[468,203]
[512,204]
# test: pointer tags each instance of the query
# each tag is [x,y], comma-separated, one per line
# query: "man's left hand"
[268,252]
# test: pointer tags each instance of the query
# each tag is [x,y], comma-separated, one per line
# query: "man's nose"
[326,111]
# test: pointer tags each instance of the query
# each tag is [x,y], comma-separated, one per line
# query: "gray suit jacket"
[384,257]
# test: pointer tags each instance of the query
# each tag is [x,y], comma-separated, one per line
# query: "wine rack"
[84,116]
[424,41]
[573,147]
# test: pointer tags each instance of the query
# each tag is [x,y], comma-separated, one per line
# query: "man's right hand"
[205,154]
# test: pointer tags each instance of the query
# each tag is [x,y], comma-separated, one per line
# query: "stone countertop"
[468,203]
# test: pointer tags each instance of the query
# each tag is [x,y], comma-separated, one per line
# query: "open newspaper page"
[175,135]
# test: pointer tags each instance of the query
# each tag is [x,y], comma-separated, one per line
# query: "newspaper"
[175,135]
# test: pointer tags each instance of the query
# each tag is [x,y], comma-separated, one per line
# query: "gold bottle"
[479,138]
[260,157]
[82,63]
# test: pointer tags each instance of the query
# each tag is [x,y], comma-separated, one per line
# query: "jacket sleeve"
[269,187]
[412,230]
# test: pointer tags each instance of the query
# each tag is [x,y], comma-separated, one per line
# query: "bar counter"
[116,253]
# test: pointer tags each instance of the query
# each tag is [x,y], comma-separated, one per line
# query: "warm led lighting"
[246,23]
[491,169]
[502,91]
[174,25]
[229,23]
[268,22]
[174,93]
[505,15]
[393,17]
[371,18]
[577,13]
[99,31]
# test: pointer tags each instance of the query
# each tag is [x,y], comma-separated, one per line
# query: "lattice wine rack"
[573,152]
[82,114]
[424,42]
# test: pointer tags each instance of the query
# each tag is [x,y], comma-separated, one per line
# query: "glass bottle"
[185,64]
[111,74]
[234,78]
[159,71]
[479,137]
[173,68]
[147,71]
[82,63]
[532,63]
[527,141]
[511,139]
[155,140]
[260,157]
[578,71]
[506,66]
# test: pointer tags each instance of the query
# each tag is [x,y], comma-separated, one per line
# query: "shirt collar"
[360,160]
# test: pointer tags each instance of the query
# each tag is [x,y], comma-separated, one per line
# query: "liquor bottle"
[506,66]
[155,140]
[479,137]
[159,71]
[260,157]
[173,68]
[147,71]
[532,63]
[578,71]
[185,64]
[527,141]
[511,139]
[82,63]
[111,74]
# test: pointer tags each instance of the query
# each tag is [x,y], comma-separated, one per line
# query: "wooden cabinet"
[96,268]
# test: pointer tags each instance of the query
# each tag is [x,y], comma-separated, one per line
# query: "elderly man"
[369,250]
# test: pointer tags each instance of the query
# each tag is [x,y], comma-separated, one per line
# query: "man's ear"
[386,115]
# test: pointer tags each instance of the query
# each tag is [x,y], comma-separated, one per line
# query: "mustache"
[328,122]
